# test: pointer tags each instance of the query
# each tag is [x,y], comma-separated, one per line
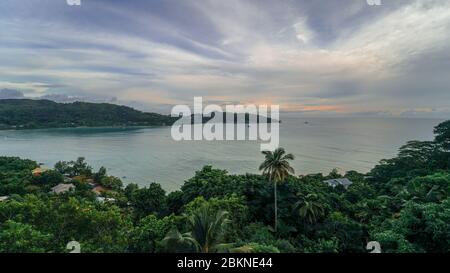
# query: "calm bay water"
[150,155]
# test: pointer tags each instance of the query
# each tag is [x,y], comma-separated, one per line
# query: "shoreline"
[83,127]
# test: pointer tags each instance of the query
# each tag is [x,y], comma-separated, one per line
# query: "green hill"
[31,114]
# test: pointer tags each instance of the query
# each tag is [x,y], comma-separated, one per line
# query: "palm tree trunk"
[276,205]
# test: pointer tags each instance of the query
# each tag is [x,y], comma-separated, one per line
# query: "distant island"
[34,114]
[40,114]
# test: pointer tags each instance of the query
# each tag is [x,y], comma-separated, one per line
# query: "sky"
[315,57]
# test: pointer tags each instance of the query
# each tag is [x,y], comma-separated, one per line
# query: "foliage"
[148,200]
[309,208]
[207,228]
[15,175]
[32,114]
[100,228]
[149,231]
[276,165]
[22,238]
[403,203]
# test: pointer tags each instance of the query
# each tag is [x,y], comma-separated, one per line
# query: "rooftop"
[99,189]
[39,171]
[62,188]
[339,181]
[3,198]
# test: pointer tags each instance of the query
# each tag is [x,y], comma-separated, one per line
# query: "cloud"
[303,33]
[10,94]
[341,56]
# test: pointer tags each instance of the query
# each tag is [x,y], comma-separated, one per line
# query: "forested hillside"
[35,114]
[30,114]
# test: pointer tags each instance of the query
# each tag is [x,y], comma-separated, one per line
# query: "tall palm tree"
[276,167]
[207,228]
[309,208]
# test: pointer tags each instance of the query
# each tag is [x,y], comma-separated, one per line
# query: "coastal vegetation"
[32,114]
[37,114]
[403,203]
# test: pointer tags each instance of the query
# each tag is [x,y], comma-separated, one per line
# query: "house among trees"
[338,181]
[62,188]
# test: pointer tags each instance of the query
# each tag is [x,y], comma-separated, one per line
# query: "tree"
[322,246]
[98,176]
[148,232]
[209,182]
[442,132]
[206,231]
[175,202]
[309,208]
[392,242]
[350,235]
[431,188]
[149,200]
[276,166]
[74,168]
[22,238]
[130,190]
[111,182]
[176,242]
[80,167]
[425,225]
[99,228]
[49,179]
[63,168]
[15,175]
[234,205]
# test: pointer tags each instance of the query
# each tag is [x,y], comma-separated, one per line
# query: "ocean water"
[145,155]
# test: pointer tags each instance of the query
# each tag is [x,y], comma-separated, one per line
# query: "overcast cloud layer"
[314,56]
